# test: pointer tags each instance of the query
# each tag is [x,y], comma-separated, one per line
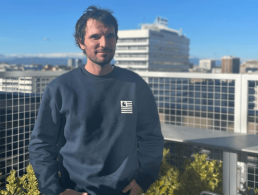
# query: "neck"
[97,69]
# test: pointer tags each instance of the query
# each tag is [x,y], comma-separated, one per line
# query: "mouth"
[104,51]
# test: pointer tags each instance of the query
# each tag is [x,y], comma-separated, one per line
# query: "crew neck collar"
[106,76]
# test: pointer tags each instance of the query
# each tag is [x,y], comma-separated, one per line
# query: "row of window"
[131,55]
[11,89]
[178,43]
[131,47]
[16,84]
[131,62]
[167,63]
[155,55]
[163,55]
[130,40]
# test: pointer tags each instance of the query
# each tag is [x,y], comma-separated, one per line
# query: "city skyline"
[215,28]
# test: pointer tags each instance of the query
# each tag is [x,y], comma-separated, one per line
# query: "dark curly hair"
[101,15]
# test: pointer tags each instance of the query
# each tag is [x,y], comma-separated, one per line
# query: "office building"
[207,64]
[230,64]
[78,62]
[154,47]
[71,62]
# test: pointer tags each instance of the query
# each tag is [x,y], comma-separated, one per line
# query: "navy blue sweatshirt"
[104,130]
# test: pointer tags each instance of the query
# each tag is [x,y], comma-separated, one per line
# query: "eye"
[110,36]
[95,36]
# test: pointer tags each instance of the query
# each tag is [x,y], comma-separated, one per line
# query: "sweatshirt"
[99,132]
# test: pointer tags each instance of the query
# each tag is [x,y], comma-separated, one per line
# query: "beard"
[104,62]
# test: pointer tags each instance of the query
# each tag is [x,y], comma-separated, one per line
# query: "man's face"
[99,42]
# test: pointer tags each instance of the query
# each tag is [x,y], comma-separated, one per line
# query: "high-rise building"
[207,64]
[78,62]
[230,64]
[154,47]
[71,62]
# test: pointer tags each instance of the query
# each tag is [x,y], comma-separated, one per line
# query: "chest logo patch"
[127,107]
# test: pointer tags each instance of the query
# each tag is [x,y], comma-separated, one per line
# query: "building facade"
[78,62]
[24,84]
[230,64]
[249,67]
[71,62]
[154,47]
[207,64]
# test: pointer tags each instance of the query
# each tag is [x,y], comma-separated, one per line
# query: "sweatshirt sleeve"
[43,149]
[150,138]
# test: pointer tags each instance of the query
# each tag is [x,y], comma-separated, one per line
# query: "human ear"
[82,46]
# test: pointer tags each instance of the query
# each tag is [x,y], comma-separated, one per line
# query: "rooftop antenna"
[180,32]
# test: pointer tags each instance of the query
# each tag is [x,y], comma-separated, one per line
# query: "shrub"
[197,175]
[25,185]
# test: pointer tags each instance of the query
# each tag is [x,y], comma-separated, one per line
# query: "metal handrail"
[208,193]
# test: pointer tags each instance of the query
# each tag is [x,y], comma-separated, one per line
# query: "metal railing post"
[229,173]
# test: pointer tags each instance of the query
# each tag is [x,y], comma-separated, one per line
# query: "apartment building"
[230,64]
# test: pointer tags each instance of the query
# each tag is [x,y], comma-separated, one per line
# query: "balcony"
[216,112]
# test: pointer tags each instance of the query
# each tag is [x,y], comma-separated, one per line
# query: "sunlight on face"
[99,43]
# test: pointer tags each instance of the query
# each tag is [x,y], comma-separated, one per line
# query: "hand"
[72,192]
[134,187]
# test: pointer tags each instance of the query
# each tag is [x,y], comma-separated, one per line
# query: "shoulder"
[64,79]
[128,75]
[133,77]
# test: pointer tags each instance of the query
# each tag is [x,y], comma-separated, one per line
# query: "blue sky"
[215,27]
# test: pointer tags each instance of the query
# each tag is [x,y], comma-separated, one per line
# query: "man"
[100,120]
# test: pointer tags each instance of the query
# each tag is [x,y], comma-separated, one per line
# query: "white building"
[216,70]
[24,84]
[250,66]
[207,64]
[71,62]
[78,62]
[154,47]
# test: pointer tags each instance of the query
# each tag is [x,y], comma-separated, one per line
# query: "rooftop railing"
[212,111]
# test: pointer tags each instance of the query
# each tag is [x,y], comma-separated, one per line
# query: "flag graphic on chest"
[127,107]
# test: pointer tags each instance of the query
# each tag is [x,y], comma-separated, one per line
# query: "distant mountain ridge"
[37,60]
[63,61]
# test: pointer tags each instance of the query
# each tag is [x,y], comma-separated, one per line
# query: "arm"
[151,141]
[43,149]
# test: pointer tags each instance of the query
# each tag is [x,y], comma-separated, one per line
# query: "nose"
[103,42]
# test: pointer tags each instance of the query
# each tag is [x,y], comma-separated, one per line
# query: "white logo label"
[127,107]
